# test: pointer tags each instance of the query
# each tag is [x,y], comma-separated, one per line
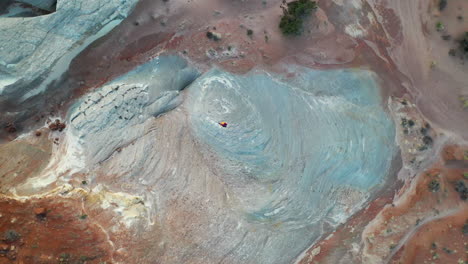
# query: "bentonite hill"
[233,131]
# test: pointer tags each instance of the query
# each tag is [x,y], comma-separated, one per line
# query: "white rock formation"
[31,47]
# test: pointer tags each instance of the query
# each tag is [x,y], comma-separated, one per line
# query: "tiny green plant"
[464,101]
[440,26]
[83,216]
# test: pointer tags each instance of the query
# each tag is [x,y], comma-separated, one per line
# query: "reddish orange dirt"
[344,237]
[448,244]
[43,231]
[427,226]
[443,240]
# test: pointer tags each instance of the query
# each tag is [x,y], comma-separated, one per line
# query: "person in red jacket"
[223,124]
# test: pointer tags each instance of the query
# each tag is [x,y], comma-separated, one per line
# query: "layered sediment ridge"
[299,156]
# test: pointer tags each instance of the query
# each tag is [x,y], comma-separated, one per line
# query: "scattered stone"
[10,128]
[38,133]
[211,53]
[422,148]
[448,251]
[452,52]
[213,36]
[4,248]
[315,251]
[57,125]
[446,37]
[40,212]
[404,122]
[11,255]
[249,32]
[460,17]
[64,258]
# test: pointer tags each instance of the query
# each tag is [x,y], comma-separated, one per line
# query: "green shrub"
[434,186]
[440,26]
[464,44]
[293,15]
[11,236]
[301,7]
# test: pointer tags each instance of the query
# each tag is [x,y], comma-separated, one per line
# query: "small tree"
[293,15]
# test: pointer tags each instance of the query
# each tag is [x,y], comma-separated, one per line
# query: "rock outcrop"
[36,51]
